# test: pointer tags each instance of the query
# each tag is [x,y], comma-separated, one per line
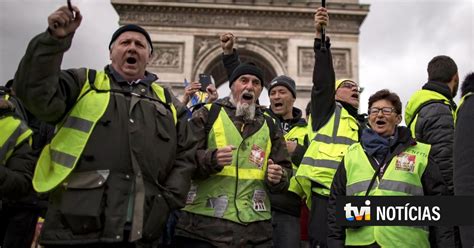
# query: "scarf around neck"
[377,146]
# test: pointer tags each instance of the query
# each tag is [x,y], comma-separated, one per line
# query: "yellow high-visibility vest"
[417,100]
[14,132]
[326,151]
[401,178]
[238,193]
[59,158]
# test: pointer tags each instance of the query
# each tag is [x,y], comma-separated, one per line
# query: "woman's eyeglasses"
[385,111]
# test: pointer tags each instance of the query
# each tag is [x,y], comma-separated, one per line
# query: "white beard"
[247,111]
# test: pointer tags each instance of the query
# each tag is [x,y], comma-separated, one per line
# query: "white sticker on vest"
[191,194]
[405,162]
[259,200]
[257,156]
[219,204]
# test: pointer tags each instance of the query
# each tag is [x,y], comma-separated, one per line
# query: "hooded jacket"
[435,126]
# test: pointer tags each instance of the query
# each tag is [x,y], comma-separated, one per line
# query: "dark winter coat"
[464,160]
[150,159]
[435,126]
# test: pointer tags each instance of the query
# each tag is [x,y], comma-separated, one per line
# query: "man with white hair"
[241,157]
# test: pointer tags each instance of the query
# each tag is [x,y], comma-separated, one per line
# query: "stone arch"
[210,63]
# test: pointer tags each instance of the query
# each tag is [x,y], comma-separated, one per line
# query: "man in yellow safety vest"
[123,155]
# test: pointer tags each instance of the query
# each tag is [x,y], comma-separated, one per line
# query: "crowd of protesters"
[111,158]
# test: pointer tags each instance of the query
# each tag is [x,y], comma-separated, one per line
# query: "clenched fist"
[227,43]
[275,172]
[224,155]
[321,18]
[63,22]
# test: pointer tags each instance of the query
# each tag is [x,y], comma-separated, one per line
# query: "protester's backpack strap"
[91,75]
[271,125]
[212,116]
[168,99]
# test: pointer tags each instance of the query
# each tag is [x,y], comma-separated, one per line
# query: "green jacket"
[147,157]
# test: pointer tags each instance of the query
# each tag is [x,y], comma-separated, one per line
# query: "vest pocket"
[157,216]
[332,151]
[81,203]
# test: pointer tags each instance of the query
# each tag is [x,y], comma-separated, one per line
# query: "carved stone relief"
[277,47]
[305,61]
[203,44]
[341,59]
[168,56]
[218,18]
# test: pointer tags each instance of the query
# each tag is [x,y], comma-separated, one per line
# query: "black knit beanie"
[133,28]
[284,81]
[246,68]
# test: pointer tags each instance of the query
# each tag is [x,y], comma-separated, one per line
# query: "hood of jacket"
[430,92]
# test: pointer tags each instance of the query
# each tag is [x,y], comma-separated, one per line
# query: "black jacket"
[463,159]
[435,126]
[289,202]
[323,92]
[431,180]
[146,160]
[16,171]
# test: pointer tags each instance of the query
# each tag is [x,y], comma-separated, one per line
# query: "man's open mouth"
[278,104]
[355,95]
[131,60]
[247,96]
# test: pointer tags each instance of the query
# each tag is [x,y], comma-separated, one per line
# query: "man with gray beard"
[241,158]
[246,110]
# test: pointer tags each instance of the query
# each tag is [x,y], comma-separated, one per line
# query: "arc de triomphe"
[276,35]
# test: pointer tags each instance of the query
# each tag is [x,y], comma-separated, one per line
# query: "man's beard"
[246,110]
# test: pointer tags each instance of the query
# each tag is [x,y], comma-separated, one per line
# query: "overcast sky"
[397,38]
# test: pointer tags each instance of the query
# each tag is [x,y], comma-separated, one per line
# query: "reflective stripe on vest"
[299,134]
[401,178]
[416,101]
[238,192]
[14,132]
[326,151]
[59,158]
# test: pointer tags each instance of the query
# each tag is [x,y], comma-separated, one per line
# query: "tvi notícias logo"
[362,213]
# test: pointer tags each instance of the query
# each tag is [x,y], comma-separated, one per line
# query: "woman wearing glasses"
[386,162]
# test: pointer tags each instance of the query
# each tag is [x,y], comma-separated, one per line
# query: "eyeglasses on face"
[350,85]
[385,110]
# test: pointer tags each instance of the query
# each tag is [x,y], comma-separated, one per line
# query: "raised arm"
[323,91]
[230,57]
[45,90]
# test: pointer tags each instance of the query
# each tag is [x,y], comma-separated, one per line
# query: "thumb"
[270,161]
